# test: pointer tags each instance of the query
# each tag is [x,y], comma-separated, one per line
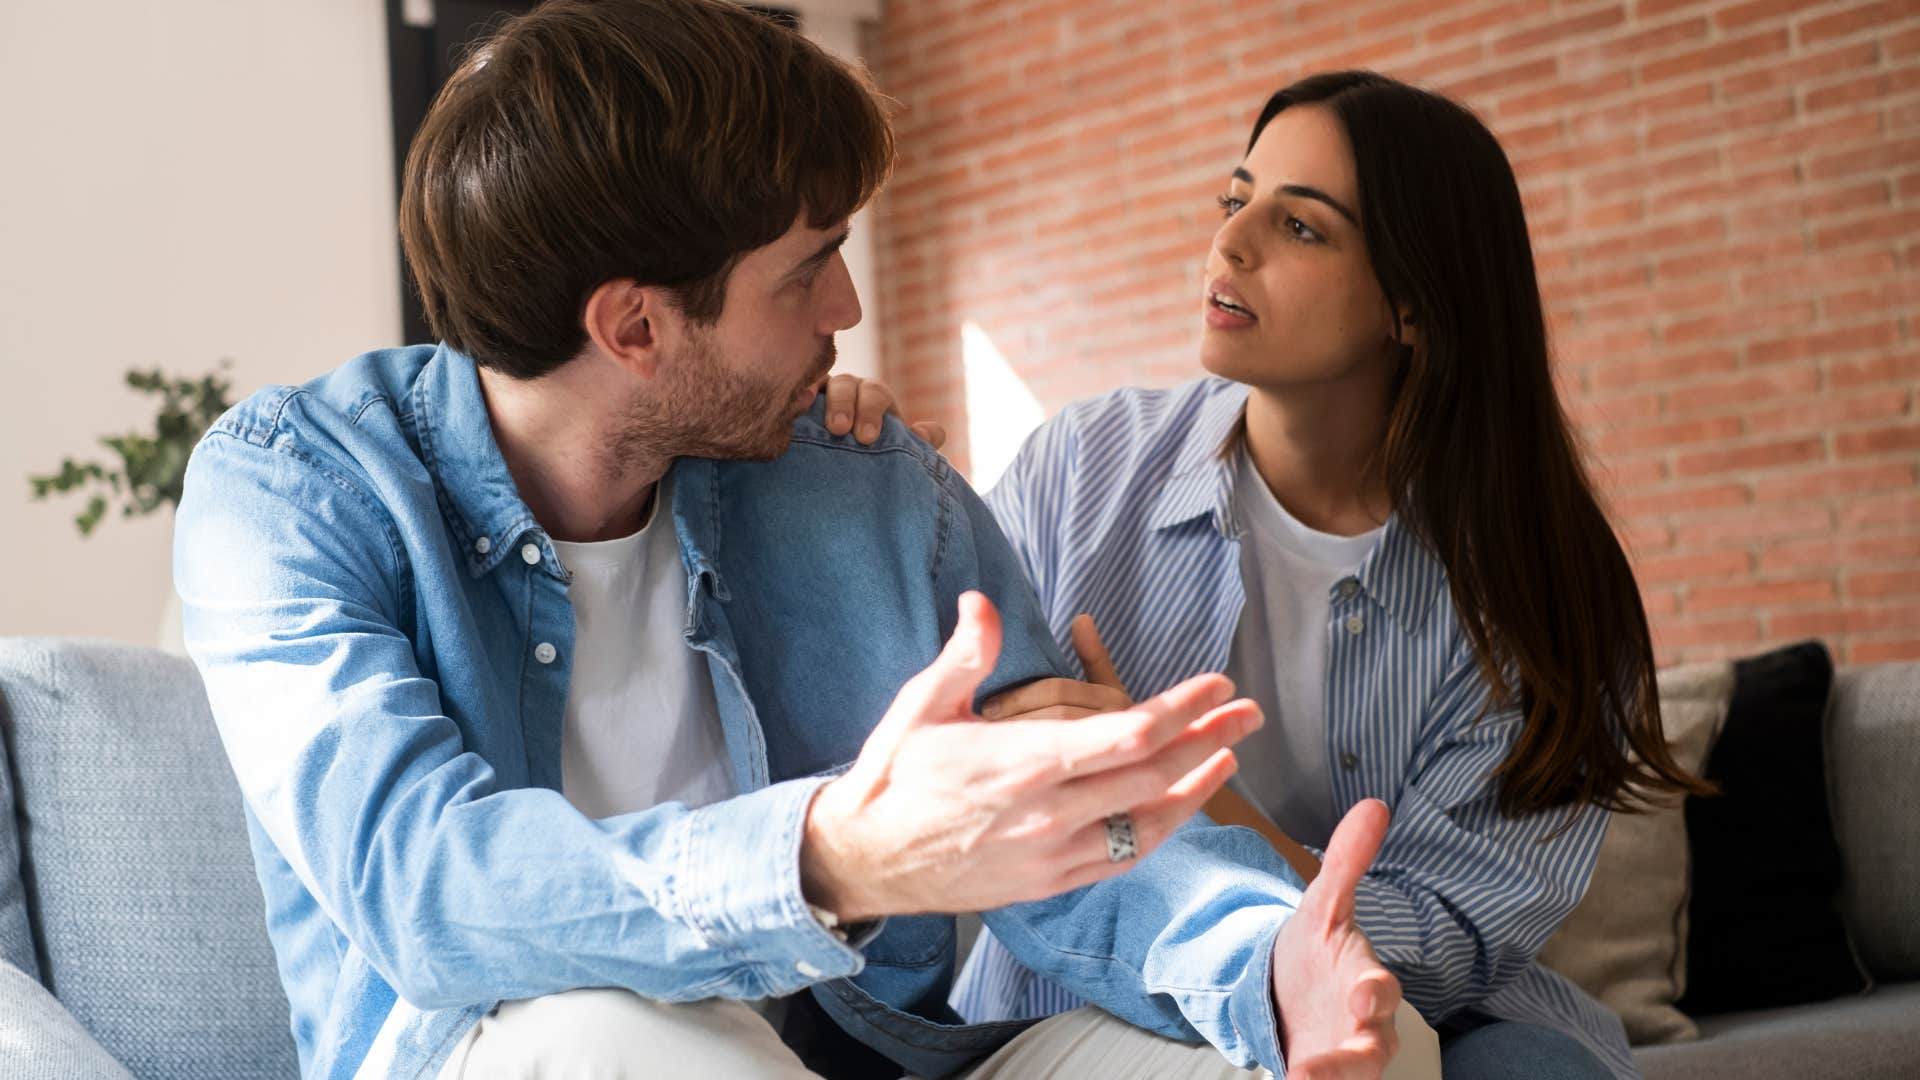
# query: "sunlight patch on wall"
[1001,411]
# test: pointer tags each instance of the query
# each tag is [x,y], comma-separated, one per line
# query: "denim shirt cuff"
[740,889]
[1250,1007]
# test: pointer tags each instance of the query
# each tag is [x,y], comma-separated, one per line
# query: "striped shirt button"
[1355,624]
[1348,588]
[1349,761]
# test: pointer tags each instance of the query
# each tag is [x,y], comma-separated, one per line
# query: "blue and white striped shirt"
[1122,507]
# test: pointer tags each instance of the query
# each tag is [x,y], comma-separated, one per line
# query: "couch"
[133,940]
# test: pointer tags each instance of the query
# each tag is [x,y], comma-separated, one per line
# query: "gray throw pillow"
[40,1040]
[16,938]
[1626,944]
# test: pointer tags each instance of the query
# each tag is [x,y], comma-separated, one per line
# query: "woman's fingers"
[843,393]
[1093,653]
[1053,694]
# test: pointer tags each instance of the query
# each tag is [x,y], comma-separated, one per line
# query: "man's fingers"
[1093,653]
[842,394]
[945,689]
[1052,693]
[1356,840]
[1110,740]
[1153,822]
[1089,798]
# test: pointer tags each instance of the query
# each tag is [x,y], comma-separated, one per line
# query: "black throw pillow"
[1764,930]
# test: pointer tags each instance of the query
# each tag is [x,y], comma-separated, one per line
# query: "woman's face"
[1291,298]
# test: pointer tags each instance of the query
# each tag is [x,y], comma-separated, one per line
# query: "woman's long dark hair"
[1479,458]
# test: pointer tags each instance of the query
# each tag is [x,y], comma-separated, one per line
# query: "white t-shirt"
[642,726]
[1279,656]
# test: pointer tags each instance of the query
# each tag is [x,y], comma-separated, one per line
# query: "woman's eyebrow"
[1304,192]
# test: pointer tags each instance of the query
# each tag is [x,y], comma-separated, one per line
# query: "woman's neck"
[1321,452]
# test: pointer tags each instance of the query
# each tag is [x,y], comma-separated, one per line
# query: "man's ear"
[631,324]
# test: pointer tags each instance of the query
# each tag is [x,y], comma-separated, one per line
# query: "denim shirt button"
[530,554]
[483,545]
[544,652]
[807,970]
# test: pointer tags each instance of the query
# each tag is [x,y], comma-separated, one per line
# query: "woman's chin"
[1228,362]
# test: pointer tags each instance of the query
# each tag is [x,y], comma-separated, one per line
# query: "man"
[549,661]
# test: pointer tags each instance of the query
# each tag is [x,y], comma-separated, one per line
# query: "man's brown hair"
[657,140]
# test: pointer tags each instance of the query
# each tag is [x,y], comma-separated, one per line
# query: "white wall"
[179,182]
[834,25]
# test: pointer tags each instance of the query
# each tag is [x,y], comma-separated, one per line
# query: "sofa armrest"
[40,1039]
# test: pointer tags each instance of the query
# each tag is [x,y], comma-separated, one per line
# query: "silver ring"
[1120,846]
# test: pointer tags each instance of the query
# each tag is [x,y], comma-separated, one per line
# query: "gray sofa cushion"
[40,1040]
[140,884]
[1874,1036]
[16,940]
[1873,757]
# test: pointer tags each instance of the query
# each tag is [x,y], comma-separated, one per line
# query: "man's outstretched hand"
[1334,1000]
[944,811]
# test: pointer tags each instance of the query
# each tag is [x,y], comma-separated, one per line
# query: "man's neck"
[1320,450]
[561,436]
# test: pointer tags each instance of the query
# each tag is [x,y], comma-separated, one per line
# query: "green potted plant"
[150,468]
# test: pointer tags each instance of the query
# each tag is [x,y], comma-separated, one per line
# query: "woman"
[1374,517]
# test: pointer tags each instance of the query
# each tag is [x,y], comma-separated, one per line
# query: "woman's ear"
[1404,331]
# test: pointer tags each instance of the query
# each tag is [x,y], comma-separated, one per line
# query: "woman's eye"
[1229,205]
[1301,230]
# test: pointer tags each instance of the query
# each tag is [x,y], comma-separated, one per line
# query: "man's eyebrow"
[1304,192]
[819,258]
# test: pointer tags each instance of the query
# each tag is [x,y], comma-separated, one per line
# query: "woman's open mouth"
[1225,308]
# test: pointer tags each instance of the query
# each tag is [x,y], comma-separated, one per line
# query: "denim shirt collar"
[1400,575]
[477,494]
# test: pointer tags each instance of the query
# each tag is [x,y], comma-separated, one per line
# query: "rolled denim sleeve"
[974,554]
[294,586]
[1461,896]
[1181,944]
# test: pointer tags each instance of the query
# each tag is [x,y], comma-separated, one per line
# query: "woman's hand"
[1333,998]
[1067,699]
[857,405]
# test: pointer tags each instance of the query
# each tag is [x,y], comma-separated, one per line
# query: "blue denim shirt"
[385,636]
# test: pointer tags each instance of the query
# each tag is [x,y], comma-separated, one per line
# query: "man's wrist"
[825,880]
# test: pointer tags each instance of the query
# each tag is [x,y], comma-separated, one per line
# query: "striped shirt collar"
[1401,574]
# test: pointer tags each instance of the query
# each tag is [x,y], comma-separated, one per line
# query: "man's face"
[733,389]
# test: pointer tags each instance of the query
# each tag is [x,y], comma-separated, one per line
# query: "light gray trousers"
[617,1035]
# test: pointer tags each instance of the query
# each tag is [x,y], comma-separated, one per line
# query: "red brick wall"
[1725,204]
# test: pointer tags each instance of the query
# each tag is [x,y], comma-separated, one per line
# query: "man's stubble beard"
[701,407]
